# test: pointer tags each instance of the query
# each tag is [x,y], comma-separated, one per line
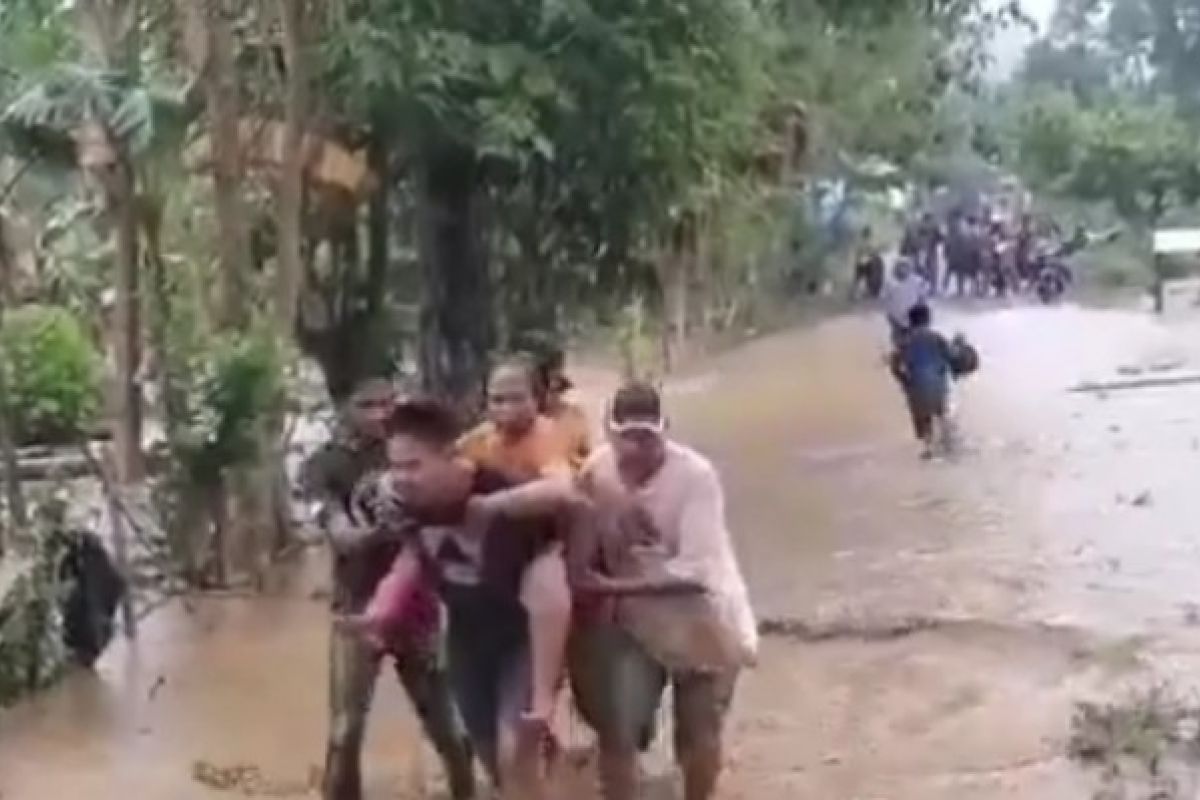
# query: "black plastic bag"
[96,588]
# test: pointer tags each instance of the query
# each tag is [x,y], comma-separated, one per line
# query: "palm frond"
[44,119]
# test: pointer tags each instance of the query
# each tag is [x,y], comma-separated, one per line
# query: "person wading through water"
[519,444]
[475,533]
[336,475]
[868,268]
[905,290]
[660,536]
[923,364]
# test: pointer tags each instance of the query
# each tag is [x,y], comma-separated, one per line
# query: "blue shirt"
[925,361]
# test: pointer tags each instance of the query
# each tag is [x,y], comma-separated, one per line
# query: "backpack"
[964,358]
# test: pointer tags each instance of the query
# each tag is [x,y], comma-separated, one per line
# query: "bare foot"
[535,731]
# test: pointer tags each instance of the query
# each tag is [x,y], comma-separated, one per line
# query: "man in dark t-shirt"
[473,535]
[362,551]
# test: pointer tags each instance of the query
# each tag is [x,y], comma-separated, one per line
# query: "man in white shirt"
[667,510]
[902,294]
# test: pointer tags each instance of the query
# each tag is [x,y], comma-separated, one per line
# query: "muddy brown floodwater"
[933,623]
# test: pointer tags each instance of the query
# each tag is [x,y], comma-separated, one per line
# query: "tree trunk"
[675,268]
[457,320]
[170,380]
[13,494]
[378,222]
[210,46]
[533,302]
[289,202]
[126,336]
[289,263]
[109,30]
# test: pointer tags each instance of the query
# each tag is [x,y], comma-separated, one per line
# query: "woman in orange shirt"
[524,445]
[521,445]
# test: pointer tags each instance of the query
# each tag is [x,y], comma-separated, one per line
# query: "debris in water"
[1166,365]
[159,683]
[1143,500]
[1145,746]
[249,780]
[243,777]
[1100,388]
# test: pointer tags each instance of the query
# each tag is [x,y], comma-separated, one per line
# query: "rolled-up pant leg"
[427,683]
[353,669]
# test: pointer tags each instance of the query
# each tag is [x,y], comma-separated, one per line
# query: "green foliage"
[1139,155]
[234,385]
[32,653]
[31,650]
[53,374]
[596,120]
[43,119]
[1049,127]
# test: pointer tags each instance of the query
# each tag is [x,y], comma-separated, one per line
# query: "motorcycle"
[1053,278]
[1053,274]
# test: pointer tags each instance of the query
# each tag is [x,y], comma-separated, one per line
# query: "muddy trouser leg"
[702,702]
[922,420]
[353,668]
[618,688]
[427,684]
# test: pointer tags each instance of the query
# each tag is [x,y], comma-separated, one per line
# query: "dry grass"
[1145,747]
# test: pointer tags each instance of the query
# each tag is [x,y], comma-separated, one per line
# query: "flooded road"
[934,623]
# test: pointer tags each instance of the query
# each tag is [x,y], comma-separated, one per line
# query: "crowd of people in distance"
[973,255]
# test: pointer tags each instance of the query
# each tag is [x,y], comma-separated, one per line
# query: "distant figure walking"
[868,268]
[922,364]
[903,292]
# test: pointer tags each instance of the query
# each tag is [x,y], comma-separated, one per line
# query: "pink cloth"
[403,612]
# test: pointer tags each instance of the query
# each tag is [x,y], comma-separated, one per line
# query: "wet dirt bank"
[933,623]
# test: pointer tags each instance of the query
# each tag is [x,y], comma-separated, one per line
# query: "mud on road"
[931,625]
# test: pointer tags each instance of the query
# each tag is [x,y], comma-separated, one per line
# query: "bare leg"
[353,668]
[427,684]
[701,765]
[547,598]
[944,435]
[519,758]
[701,702]
[618,773]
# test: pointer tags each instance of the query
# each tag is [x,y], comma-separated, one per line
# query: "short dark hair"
[920,315]
[636,400]
[425,419]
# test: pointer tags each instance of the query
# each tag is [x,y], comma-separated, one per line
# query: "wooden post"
[119,542]
[18,519]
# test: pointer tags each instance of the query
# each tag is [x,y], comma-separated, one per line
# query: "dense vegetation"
[1105,115]
[206,192]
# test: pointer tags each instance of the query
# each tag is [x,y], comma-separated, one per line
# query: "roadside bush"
[237,385]
[32,653]
[1115,266]
[53,373]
